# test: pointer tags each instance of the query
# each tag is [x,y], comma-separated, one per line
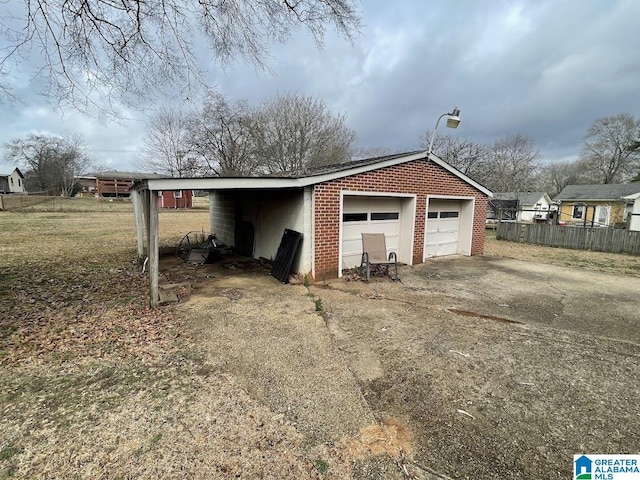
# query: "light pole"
[452,122]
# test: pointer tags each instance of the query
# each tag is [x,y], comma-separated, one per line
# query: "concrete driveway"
[498,368]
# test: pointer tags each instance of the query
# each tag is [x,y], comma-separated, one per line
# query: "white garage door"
[443,228]
[368,215]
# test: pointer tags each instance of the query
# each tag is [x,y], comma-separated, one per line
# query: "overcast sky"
[545,68]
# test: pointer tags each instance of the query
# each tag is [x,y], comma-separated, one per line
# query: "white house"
[12,182]
[634,221]
[527,207]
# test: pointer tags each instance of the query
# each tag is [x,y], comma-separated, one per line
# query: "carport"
[332,206]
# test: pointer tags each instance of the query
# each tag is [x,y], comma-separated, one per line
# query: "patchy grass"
[95,384]
[600,261]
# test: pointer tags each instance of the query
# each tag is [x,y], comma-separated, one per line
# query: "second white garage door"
[368,215]
[443,228]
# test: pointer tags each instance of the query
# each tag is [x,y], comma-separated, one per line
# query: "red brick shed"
[425,208]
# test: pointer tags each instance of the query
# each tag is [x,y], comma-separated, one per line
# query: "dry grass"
[598,261]
[97,385]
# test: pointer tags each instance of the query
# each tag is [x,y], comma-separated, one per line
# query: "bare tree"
[555,176]
[222,136]
[93,51]
[295,133]
[465,154]
[166,146]
[513,164]
[612,148]
[51,162]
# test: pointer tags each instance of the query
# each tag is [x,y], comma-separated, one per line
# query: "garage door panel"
[382,216]
[443,228]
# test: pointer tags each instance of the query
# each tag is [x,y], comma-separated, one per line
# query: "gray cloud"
[546,70]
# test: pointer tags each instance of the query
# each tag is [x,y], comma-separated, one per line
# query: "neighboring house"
[12,182]
[425,208]
[633,211]
[523,207]
[117,185]
[596,205]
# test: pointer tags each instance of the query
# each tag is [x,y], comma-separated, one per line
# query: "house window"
[19,182]
[177,194]
[448,214]
[578,211]
[432,215]
[11,180]
[354,217]
[385,216]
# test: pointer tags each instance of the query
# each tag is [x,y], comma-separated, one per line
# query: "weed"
[311,295]
[305,281]
[322,466]
[319,307]
[8,451]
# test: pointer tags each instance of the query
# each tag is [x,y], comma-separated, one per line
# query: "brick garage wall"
[419,177]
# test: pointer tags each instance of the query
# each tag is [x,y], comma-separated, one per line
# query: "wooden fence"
[577,238]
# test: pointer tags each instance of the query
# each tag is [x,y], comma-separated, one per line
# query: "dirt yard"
[484,367]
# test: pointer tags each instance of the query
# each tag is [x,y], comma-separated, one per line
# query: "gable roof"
[11,173]
[310,177]
[525,198]
[609,191]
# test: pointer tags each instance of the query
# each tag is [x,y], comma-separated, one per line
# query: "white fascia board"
[222,183]
[633,196]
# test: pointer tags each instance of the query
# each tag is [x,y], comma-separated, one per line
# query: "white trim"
[230,183]
[313,231]
[358,193]
[469,243]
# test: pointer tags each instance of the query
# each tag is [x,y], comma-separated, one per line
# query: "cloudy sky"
[545,68]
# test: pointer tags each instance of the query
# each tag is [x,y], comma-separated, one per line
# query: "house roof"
[612,191]
[123,175]
[307,178]
[525,198]
[11,173]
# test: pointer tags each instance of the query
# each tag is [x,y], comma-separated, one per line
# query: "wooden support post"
[153,249]
[145,204]
[138,213]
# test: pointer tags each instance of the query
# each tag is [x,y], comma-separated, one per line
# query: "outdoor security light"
[452,122]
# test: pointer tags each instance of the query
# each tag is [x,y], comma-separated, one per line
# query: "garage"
[422,205]
[447,230]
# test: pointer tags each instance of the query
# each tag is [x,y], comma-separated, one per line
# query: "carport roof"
[310,177]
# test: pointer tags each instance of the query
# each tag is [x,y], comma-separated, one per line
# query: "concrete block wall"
[420,177]
[222,216]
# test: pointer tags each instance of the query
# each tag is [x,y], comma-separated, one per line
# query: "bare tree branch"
[92,51]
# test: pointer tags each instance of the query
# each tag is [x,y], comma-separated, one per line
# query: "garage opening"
[392,216]
[449,227]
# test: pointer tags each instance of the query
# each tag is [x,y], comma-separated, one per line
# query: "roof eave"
[234,183]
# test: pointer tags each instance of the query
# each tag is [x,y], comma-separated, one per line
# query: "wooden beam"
[153,250]
[138,213]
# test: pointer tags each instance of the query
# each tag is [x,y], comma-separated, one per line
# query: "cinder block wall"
[419,177]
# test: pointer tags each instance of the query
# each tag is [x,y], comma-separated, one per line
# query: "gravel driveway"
[498,368]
